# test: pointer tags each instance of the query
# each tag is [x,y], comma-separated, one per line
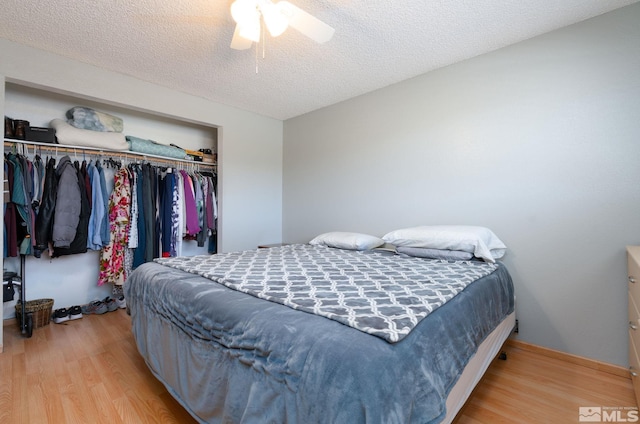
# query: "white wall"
[539,141]
[249,145]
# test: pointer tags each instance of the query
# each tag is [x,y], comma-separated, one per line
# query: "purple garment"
[191,211]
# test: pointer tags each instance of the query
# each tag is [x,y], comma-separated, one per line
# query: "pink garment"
[112,255]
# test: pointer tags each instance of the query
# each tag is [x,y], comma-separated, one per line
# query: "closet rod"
[128,154]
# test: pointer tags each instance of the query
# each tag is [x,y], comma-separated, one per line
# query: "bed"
[267,335]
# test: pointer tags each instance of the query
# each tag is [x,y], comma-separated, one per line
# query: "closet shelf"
[10,142]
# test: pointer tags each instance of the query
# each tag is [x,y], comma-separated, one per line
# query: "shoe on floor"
[95,307]
[122,304]
[60,315]
[75,312]
[110,304]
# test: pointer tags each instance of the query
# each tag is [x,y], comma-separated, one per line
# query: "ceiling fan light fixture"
[275,21]
[250,31]
[243,11]
[277,18]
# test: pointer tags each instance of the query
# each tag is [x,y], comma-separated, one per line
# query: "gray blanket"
[230,357]
[378,294]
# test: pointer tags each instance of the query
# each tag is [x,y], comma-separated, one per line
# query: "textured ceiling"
[184,44]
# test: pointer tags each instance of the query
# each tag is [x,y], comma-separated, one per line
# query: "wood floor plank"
[104,366]
[76,394]
[531,388]
[126,409]
[5,400]
[105,409]
[89,370]
[20,405]
[36,400]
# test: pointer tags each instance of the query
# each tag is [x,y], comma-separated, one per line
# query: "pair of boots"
[15,128]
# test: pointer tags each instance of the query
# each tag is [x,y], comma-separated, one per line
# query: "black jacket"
[44,220]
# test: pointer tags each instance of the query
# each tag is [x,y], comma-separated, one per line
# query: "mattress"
[476,367]
[230,356]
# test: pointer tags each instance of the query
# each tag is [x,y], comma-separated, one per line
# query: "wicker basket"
[40,310]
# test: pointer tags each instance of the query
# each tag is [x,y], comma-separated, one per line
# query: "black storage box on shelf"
[43,135]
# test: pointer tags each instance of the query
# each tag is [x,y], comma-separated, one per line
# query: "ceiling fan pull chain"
[264,41]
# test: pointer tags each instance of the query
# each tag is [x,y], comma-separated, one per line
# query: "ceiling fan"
[277,17]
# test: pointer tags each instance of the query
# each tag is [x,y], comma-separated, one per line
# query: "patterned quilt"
[380,294]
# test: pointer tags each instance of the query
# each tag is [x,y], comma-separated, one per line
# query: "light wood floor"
[89,371]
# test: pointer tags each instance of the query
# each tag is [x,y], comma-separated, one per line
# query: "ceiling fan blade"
[306,23]
[238,42]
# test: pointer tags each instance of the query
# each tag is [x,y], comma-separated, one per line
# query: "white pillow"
[346,240]
[480,241]
[68,134]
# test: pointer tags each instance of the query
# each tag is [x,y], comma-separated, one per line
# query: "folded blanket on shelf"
[151,147]
[89,119]
[68,134]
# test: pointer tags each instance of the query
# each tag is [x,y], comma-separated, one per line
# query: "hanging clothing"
[156,202]
[175,218]
[20,189]
[133,226]
[201,236]
[38,183]
[104,226]
[79,242]
[150,212]
[167,185]
[191,211]
[10,215]
[10,231]
[138,254]
[87,180]
[211,199]
[44,220]
[64,207]
[181,216]
[94,239]
[128,264]
[67,212]
[112,256]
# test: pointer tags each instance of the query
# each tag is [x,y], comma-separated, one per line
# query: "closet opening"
[73,279]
